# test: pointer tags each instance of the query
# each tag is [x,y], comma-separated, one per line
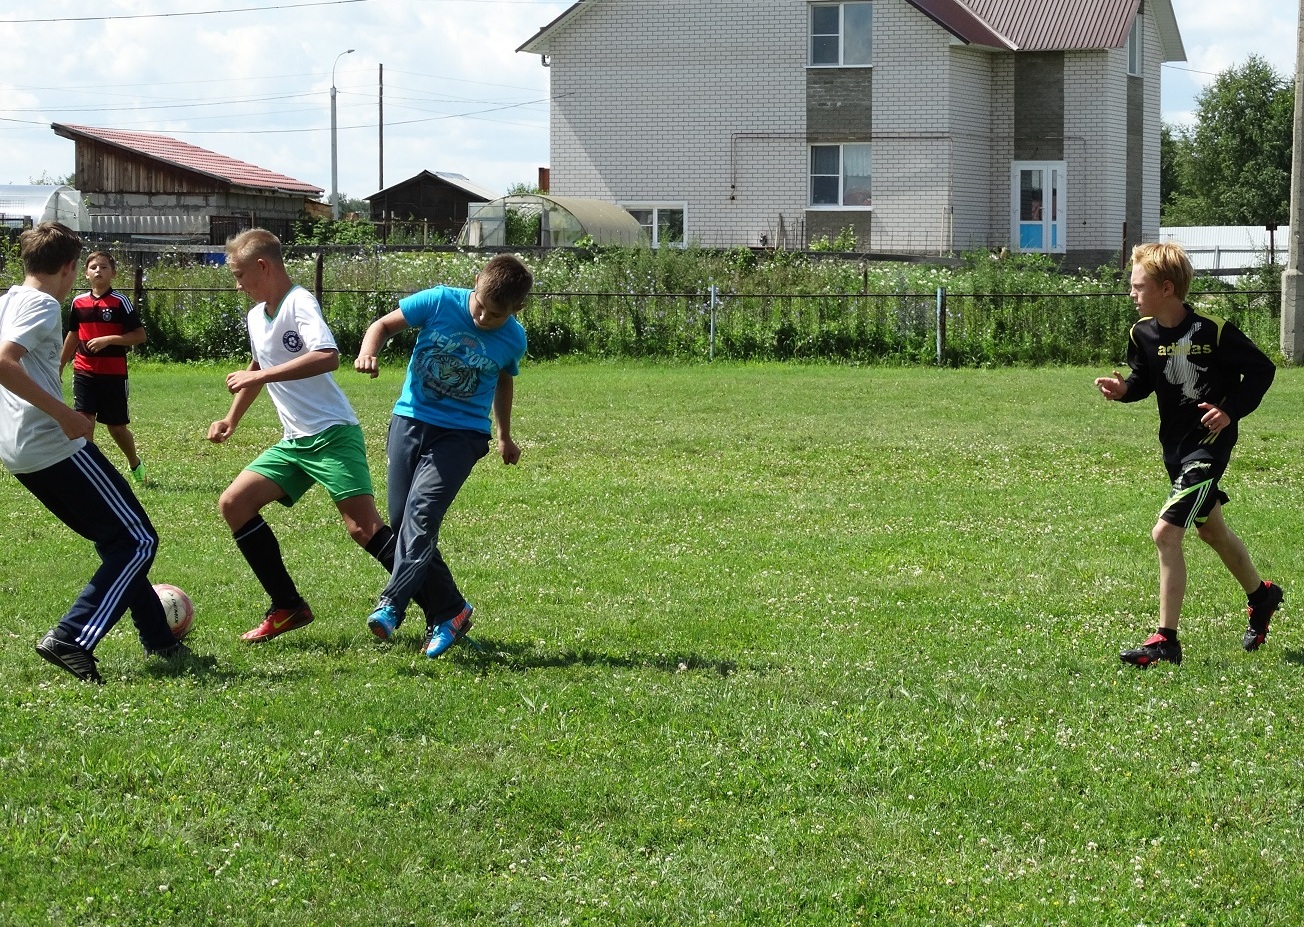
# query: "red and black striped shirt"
[95,317]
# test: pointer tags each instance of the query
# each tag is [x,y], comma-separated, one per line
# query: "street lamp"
[335,165]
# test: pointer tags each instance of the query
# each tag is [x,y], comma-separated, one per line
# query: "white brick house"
[925,126]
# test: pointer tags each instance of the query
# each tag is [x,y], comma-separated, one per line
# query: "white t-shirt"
[29,439]
[310,406]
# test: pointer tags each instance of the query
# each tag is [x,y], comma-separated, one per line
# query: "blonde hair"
[1165,261]
[253,244]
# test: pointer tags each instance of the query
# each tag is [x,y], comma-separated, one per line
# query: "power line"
[245,9]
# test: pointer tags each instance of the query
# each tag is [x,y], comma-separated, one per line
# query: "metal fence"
[953,329]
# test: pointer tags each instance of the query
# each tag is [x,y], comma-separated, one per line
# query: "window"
[841,34]
[663,225]
[1037,217]
[840,175]
[1135,40]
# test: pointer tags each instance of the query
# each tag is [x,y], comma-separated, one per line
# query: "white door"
[1037,206]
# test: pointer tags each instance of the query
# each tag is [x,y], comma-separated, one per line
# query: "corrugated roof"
[1056,25]
[963,23]
[192,158]
[1051,25]
[462,182]
[1015,25]
[452,178]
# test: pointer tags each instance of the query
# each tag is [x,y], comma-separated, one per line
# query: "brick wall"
[972,108]
[707,105]
[1095,147]
[685,102]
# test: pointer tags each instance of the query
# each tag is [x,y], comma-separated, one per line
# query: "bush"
[640,302]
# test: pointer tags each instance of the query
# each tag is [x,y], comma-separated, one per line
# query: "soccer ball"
[177,606]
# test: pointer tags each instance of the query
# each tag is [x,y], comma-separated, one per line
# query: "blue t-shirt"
[454,368]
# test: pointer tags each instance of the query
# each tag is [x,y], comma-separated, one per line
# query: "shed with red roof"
[145,185]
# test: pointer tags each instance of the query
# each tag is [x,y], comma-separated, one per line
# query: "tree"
[1174,151]
[1233,166]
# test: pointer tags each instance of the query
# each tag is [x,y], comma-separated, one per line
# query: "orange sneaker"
[278,621]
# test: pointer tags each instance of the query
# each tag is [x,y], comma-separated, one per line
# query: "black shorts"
[103,397]
[1194,492]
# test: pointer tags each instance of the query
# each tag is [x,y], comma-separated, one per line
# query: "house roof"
[531,45]
[191,158]
[1011,25]
[462,182]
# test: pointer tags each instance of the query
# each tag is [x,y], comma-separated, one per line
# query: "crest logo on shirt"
[293,343]
[106,314]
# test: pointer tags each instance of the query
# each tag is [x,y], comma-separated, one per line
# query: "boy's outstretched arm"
[378,332]
[1113,388]
[503,395]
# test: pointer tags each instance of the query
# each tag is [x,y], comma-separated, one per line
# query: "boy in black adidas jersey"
[1207,376]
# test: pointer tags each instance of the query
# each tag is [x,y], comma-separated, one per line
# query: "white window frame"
[1038,218]
[1136,47]
[843,187]
[841,35]
[654,228]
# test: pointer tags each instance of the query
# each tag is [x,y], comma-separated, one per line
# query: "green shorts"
[336,458]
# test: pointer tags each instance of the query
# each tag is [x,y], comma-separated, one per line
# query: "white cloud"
[256,86]
[1218,35]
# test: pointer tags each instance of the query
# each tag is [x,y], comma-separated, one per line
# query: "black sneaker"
[1261,615]
[1156,648]
[172,653]
[77,660]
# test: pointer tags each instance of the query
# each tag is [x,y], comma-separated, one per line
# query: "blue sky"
[252,80]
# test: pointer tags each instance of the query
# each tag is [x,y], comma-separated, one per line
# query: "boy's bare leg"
[1172,572]
[126,442]
[1217,534]
[361,518]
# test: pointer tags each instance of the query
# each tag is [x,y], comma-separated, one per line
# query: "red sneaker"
[277,622]
[1261,615]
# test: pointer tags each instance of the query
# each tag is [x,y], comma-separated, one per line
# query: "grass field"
[763,645]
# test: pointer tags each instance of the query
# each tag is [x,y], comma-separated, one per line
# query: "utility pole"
[334,145]
[381,122]
[1292,281]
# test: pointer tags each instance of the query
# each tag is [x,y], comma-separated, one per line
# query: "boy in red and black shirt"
[101,326]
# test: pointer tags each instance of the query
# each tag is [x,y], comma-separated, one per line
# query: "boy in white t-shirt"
[43,443]
[294,354]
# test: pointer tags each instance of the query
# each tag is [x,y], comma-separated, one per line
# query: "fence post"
[941,325]
[711,342]
[317,277]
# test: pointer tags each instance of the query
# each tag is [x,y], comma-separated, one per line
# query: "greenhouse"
[552,221]
[23,206]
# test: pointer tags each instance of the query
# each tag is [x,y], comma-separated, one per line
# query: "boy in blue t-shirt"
[468,349]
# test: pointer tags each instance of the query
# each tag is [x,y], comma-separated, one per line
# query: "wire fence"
[951,329]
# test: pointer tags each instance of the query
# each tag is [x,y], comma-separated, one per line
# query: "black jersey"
[1203,359]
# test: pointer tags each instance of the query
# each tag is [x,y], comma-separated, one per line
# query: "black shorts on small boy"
[103,397]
